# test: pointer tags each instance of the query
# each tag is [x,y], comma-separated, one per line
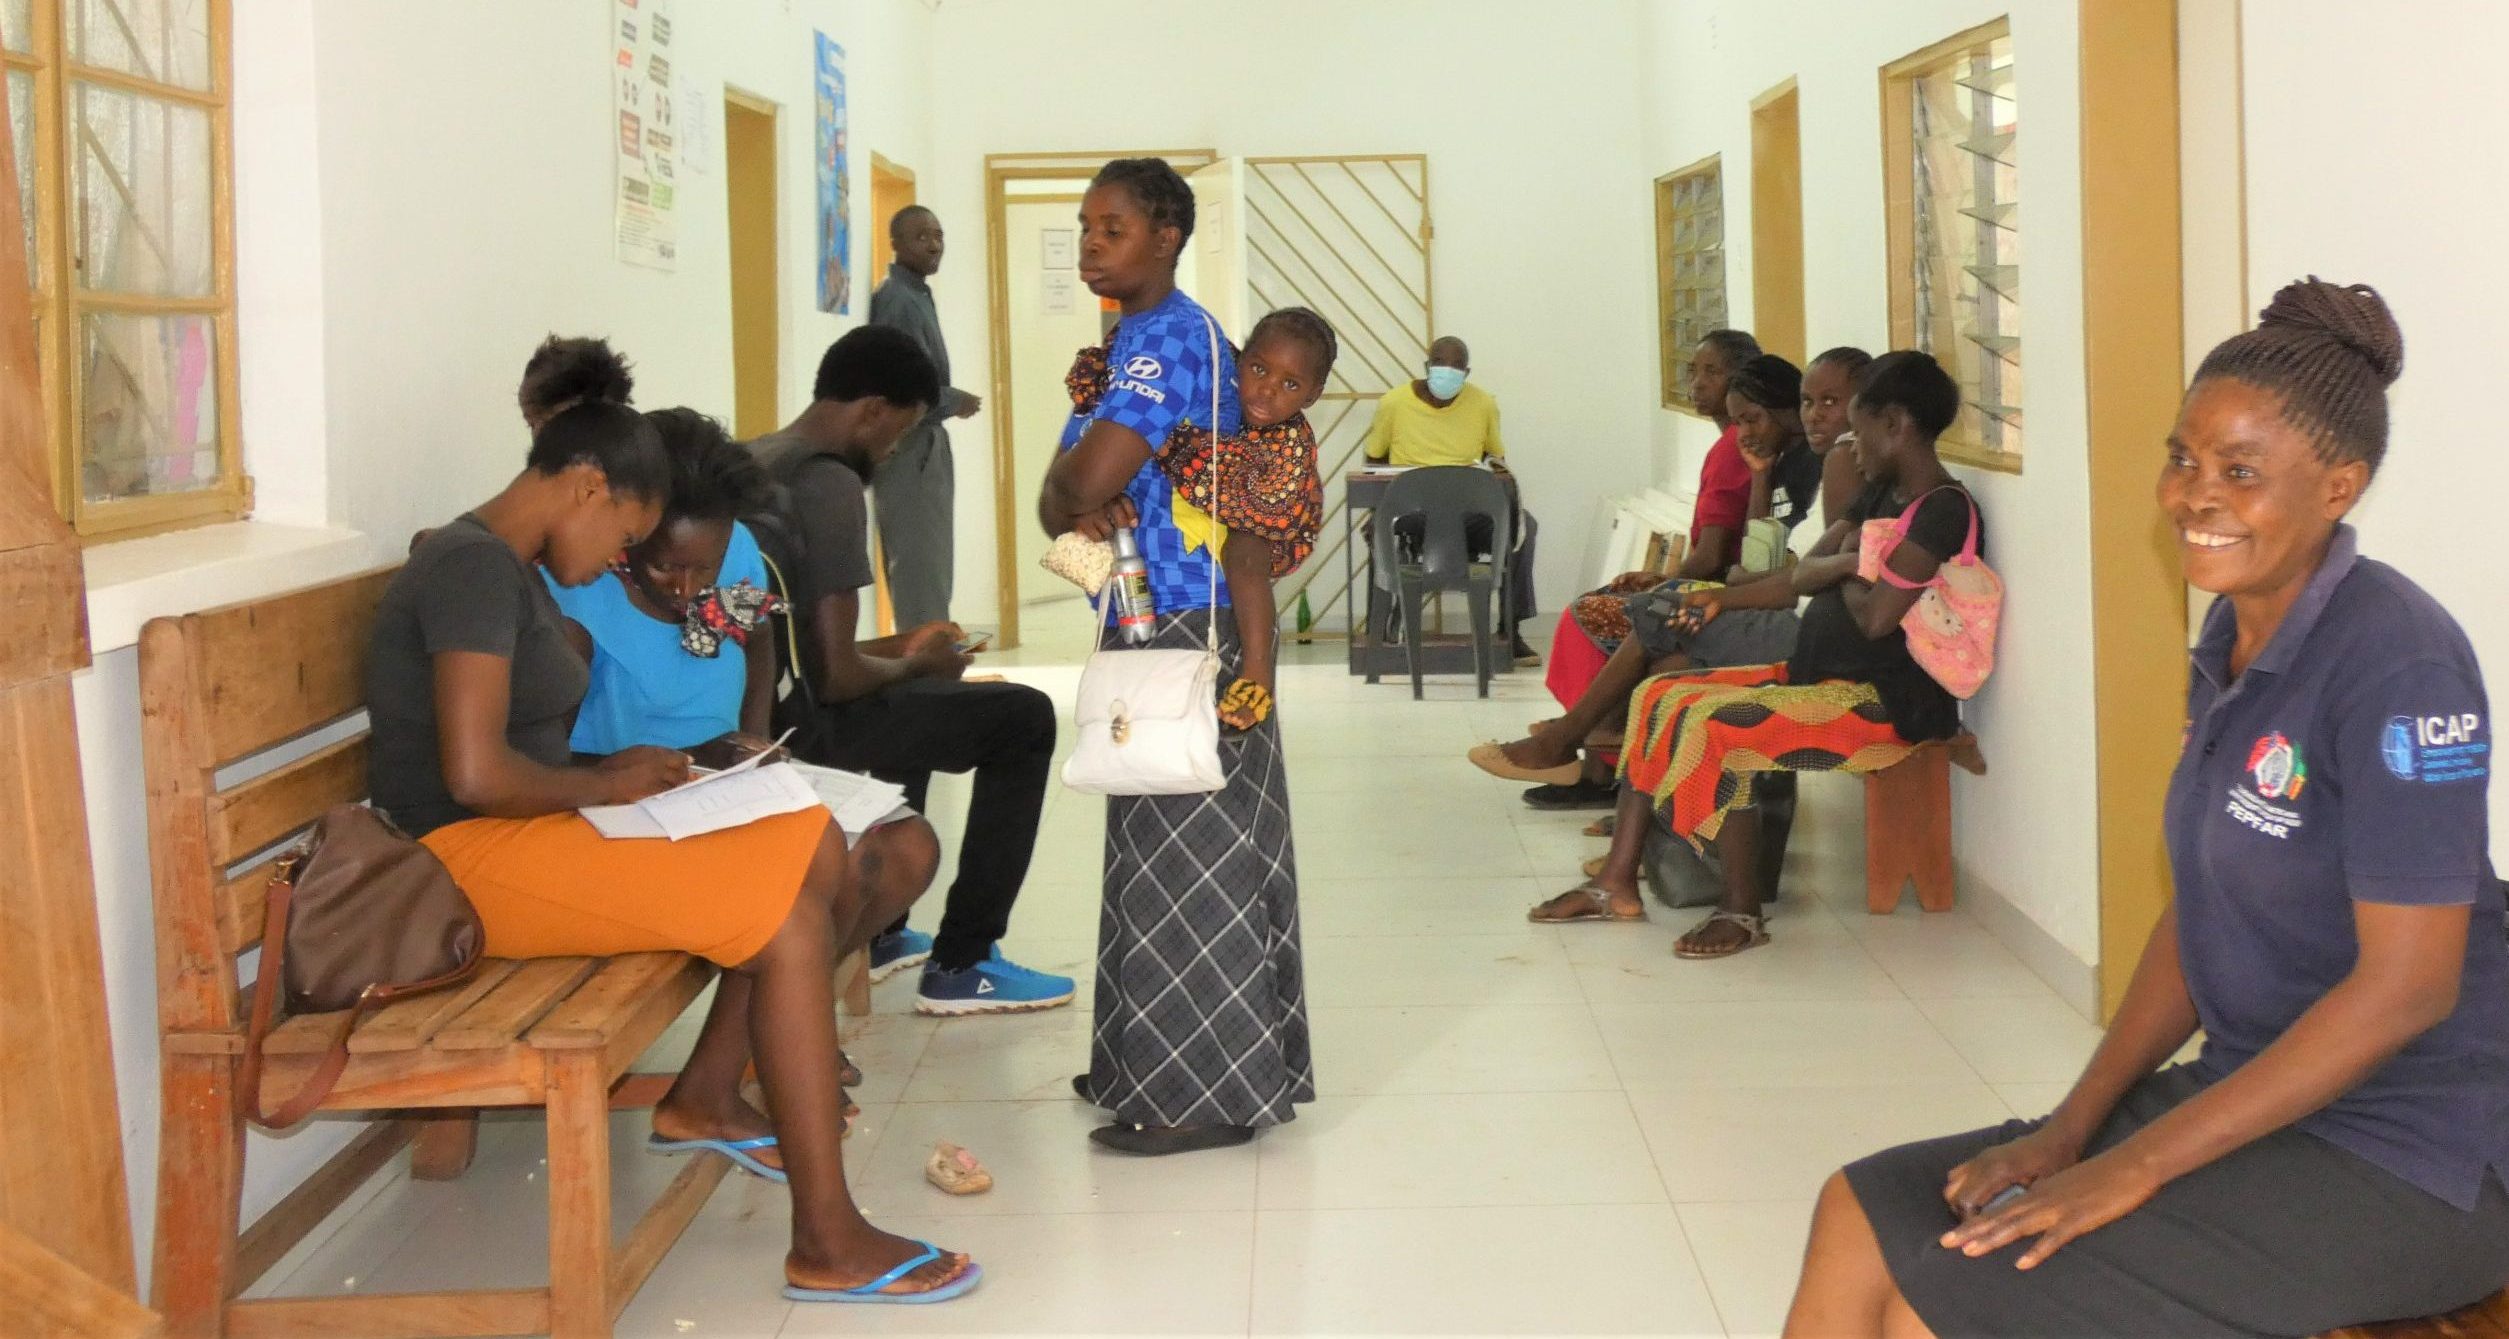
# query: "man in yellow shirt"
[1439,418]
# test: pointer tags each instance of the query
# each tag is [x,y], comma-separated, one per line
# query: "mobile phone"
[2003,1197]
[976,640]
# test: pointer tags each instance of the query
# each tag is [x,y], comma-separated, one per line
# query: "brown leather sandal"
[1585,902]
[1755,929]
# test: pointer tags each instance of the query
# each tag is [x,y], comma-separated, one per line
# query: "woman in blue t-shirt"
[1201,1020]
[668,630]
[682,655]
[2334,1154]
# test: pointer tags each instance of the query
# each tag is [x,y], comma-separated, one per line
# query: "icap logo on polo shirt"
[2436,749]
[2276,766]
[1145,367]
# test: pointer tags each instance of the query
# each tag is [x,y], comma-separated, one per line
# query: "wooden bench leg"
[579,1197]
[853,984]
[1907,832]
[200,1189]
[446,1140]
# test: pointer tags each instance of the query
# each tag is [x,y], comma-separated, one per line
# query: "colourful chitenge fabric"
[1696,739]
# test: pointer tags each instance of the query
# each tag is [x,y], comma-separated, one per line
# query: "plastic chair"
[1446,498]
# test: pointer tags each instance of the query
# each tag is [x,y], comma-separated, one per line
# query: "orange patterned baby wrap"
[1272,491]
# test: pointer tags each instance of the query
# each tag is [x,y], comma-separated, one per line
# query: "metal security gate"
[1348,236]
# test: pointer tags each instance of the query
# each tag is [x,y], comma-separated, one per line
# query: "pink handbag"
[1951,628]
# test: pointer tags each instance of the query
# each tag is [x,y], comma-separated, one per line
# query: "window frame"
[1673,354]
[61,307]
[1962,444]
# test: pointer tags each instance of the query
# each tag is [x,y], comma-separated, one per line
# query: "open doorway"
[749,132]
[1049,316]
[1040,314]
[892,189]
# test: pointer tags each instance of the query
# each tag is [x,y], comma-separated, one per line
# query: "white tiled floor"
[1496,1097]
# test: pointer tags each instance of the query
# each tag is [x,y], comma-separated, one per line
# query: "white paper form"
[708,802]
[859,803]
[729,799]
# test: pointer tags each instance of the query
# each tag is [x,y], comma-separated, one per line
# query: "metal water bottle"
[1136,618]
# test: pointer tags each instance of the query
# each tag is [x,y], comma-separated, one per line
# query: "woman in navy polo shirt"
[2334,1154]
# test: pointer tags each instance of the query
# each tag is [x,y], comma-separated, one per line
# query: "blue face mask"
[1445,381]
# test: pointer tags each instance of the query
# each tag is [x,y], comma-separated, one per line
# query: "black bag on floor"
[1679,877]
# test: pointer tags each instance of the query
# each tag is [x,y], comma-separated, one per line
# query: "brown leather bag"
[359,915]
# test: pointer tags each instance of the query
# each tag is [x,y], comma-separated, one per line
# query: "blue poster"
[836,233]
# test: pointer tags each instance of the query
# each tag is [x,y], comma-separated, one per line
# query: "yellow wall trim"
[2133,374]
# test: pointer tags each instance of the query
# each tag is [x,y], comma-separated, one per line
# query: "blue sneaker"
[891,954]
[994,986]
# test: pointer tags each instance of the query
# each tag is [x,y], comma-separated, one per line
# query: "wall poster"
[836,233]
[647,216]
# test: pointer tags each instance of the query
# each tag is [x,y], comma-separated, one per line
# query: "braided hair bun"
[2330,351]
[2352,315]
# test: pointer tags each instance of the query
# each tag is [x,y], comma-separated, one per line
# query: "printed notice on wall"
[647,221]
[1056,246]
[1062,293]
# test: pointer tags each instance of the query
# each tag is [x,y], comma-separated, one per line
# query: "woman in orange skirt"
[472,687]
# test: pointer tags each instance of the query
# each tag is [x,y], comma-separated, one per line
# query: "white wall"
[2029,834]
[458,228]
[1528,114]
[2351,180]
[416,205]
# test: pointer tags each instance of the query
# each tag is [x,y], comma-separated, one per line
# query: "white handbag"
[1150,720]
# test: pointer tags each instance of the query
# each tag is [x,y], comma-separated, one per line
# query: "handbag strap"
[1899,531]
[1211,628]
[265,1016]
[1211,549]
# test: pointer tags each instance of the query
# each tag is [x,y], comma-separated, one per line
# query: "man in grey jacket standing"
[915,491]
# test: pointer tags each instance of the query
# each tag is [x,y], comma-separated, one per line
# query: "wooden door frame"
[64,1200]
[2134,373]
[1000,169]
[1777,287]
[882,253]
[747,103]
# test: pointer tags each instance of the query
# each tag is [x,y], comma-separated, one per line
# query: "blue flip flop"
[735,1149]
[870,1292]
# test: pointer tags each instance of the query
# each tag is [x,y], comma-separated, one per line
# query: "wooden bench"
[226,687]
[2487,1319]
[1907,824]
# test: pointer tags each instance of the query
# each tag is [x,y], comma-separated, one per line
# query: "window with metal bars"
[1950,124]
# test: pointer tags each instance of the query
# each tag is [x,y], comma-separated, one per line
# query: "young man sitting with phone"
[897,707]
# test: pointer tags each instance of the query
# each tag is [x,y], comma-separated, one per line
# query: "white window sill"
[134,580]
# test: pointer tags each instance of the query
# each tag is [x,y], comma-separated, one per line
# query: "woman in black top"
[472,687]
[1850,699]
[1765,400]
